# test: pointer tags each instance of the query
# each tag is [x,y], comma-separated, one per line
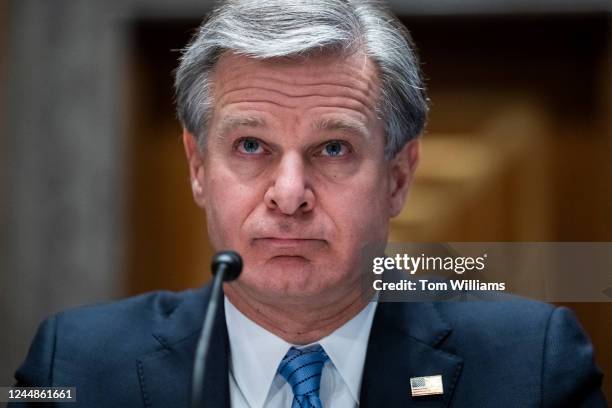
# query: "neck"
[298,322]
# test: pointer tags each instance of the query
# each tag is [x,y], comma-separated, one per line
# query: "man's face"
[293,175]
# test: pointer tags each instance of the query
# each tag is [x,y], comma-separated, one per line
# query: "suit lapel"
[403,344]
[165,374]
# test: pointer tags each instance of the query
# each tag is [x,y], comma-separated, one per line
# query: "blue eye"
[334,149]
[249,145]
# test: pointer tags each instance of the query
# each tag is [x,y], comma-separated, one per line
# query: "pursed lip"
[288,242]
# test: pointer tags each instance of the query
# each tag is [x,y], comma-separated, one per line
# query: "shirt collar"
[347,346]
[255,350]
[255,355]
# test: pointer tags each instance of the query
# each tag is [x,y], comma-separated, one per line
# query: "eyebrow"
[350,126]
[230,123]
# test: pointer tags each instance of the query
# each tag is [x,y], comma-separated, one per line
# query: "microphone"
[226,266]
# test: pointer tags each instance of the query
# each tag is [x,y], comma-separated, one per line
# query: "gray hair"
[291,28]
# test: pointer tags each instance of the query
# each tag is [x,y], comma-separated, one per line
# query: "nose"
[290,192]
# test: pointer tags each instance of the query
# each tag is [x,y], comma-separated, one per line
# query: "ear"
[195,162]
[402,168]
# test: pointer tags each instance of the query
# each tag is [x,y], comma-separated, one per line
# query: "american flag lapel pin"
[431,385]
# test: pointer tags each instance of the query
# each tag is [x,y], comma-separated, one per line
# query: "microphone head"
[232,262]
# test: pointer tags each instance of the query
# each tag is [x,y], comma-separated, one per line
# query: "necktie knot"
[302,369]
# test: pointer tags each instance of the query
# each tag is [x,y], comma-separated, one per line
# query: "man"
[301,123]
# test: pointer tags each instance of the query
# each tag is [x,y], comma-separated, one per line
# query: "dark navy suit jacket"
[139,353]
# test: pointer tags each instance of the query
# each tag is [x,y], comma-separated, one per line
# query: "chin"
[289,277]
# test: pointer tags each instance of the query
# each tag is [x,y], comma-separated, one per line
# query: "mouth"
[278,242]
[289,246]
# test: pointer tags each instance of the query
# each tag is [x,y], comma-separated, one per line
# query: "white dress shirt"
[256,353]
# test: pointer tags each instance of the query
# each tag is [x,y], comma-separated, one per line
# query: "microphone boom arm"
[226,266]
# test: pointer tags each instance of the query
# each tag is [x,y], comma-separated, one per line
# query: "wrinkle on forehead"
[350,82]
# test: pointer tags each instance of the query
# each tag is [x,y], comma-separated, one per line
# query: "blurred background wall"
[94,195]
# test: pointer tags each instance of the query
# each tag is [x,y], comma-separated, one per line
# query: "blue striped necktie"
[301,368]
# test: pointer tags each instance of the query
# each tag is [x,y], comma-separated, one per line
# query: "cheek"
[363,220]
[361,209]
[228,204]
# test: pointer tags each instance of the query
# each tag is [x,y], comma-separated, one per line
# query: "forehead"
[356,64]
[348,85]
